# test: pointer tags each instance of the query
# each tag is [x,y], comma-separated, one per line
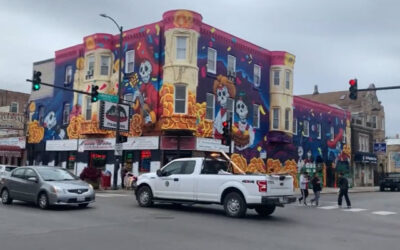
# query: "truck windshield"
[214,166]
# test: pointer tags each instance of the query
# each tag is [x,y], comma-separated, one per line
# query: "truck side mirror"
[159,173]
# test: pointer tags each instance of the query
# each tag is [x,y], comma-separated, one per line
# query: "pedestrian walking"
[304,187]
[343,191]
[316,186]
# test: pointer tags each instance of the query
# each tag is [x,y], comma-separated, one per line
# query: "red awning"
[10,151]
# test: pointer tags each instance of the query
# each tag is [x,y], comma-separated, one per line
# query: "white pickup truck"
[207,181]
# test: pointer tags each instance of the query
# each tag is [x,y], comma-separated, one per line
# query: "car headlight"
[57,190]
[91,187]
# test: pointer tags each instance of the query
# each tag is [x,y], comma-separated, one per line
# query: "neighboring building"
[12,126]
[393,155]
[182,79]
[368,127]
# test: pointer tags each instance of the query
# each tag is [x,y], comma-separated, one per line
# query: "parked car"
[208,181]
[390,181]
[45,186]
[6,169]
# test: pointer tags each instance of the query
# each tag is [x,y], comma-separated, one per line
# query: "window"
[344,136]
[383,123]
[41,115]
[90,66]
[18,173]
[181,47]
[306,129]
[295,126]
[130,61]
[105,65]
[128,98]
[210,106]
[332,133]
[230,108]
[287,79]
[14,107]
[29,173]
[287,118]
[231,66]
[68,74]
[180,98]
[88,108]
[363,141]
[212,60]
[66,112]
[275,122]
[256,116]
[276,77]
[257,75]
[374,121]
[179,167]
[319,130]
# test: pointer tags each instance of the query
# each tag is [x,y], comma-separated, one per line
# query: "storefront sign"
[365,158]
[62,145]
[11,120]
[13,141]
[109,116]
[96,144]
[144,142]
[178,142]
[210,145]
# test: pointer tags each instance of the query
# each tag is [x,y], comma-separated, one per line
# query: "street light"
[117,159]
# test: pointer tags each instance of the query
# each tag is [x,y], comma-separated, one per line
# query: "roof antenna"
[315,90]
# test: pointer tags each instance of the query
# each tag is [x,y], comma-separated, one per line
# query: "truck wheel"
[265,210]
[145,196]
[234,205]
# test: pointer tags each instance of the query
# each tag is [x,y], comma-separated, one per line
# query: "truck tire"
[234,205]
[265,210]
[145,196]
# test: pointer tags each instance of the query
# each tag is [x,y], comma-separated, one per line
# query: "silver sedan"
[45,186]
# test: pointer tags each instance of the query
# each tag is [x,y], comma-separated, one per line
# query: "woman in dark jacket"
[316,186]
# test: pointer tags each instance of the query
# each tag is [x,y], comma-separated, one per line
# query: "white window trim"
[279,77]
[186,97]
[88,64]
[213,106]
[287,121]
[233,59]
[66,80]
[256,108]
[257,84]
[176,47]
[319,130]
[214,69]
[308,128]
[294,129]
[16,104]
[273,117]
[130,54]
[287,81]
[109,64]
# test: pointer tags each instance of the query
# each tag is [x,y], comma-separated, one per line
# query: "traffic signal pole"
[381,88]
[59,87]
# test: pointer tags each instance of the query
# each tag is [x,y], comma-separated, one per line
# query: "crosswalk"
[357,210]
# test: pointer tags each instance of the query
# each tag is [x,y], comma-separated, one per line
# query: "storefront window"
[98,160]
[145,160]
[71,160]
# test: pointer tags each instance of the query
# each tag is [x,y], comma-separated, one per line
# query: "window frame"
[276,80]
[231,65]
[308,128]
[294,131]
[374,121]
[287,79]
[16,105]
[129,58]
[208,107]
[181,168]
[108,64]
[180,100]
[256,115]
[90,65]
[64,120]
[214,69]
[332,132]
[287,119]
[275,111]
[178,49]
[319,131]
[41,114]
[257,73]
[68,74]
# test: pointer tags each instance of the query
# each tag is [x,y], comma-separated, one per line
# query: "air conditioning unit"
[89,74]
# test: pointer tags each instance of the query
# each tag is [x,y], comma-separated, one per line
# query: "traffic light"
[226,135]
[95,94]
[353,89]
[122,139]
[36,80]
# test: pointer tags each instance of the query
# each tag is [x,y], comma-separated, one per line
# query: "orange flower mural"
[240,162]
[256,166]
[74,127]
[36,132]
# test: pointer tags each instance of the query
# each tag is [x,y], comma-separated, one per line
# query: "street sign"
[380,147]
[118,149]
[108,98]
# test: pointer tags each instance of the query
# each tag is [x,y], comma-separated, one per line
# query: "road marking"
[328,207]
[354,209]
[383,213]
[111,195]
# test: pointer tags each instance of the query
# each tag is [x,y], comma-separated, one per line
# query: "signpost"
[380,147]
[118,149]
[108,98]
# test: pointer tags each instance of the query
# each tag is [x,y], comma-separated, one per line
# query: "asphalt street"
[116,222]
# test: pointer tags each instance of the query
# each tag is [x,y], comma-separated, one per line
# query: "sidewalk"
[329,190]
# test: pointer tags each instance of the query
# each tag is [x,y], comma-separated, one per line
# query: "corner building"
[181,78]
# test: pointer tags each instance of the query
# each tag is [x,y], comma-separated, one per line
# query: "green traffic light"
[95,98]
[36,86]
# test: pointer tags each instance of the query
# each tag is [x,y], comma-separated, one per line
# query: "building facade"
[182,78]
[393,155]
[368,127]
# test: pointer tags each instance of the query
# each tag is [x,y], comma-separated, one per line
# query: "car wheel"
[145,196]
[265,210]
[234,205]
[43,201]
[5,197]
[83,205]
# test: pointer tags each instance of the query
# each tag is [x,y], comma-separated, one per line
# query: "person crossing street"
[343,191]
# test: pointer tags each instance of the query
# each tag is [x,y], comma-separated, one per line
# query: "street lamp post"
[117,157]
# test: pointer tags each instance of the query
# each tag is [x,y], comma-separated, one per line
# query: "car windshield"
[55,174]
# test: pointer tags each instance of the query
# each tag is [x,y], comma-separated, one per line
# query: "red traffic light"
[352,82]
[225,124]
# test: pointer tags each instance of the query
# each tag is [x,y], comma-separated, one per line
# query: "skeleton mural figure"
[243,132]
[146,96]
[52,131]
[223,89]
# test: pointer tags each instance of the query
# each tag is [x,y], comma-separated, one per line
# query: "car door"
[165,185]
[30,188]
[14,183]
[183,188]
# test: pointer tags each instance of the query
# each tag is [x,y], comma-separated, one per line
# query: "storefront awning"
[10,151]
[364,157]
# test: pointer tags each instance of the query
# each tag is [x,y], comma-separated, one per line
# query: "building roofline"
[43,61]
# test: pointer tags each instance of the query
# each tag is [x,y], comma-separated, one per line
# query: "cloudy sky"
[333,40]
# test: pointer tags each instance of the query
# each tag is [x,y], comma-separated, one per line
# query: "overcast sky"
[333,40]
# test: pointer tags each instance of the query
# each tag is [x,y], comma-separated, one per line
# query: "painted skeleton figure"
[52,131]
[223,89]
[245,129]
